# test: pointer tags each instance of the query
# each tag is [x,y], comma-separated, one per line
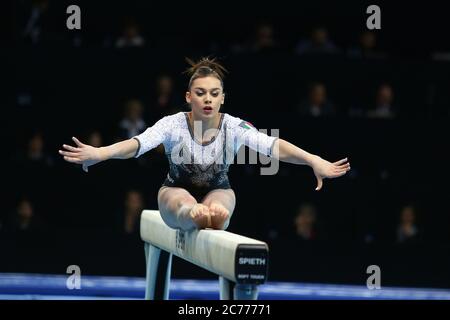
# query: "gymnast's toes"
[219,211]
[219,216]
[200,215]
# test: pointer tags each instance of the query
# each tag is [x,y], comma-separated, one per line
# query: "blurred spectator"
[383,103]
[35,157]
[407,230]
[367,47]
[318,43]
[133,123]
[36,22]
[262,40]
[317,103]
[131,36]
[95,139]
[36,149]
[33,167]
[134,204]
[305,222]
[165,102]
[24,218]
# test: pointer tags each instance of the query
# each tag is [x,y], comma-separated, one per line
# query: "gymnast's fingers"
[343,165]
[340,162]
[70,148]
[338,174]
[72,159]
[339,169]
[319,182]
[69,154]
[77,142]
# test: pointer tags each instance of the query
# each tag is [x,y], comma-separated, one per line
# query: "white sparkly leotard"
[201,166]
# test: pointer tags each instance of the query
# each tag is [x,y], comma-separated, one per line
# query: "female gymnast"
[198,145]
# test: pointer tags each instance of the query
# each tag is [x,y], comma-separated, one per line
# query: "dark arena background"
[313,70]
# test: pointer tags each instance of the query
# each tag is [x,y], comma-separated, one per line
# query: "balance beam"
[240,262]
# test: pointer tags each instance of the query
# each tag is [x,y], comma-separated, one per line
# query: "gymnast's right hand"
[83,154]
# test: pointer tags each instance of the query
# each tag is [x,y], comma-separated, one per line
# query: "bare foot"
[219,215]
[200,215]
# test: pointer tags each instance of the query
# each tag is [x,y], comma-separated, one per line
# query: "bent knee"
[175,202]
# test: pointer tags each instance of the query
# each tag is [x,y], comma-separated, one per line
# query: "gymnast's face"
[205,97]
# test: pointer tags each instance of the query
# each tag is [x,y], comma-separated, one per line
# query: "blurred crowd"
[34,158]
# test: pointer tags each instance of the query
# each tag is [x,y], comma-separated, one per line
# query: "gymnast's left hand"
[325,169]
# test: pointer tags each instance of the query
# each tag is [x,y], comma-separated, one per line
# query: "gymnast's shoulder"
[236,122]
[172,120]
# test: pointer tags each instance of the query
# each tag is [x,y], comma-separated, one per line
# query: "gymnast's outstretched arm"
[87,155]
[287,152]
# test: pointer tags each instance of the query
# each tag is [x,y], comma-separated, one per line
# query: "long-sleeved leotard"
[201,167]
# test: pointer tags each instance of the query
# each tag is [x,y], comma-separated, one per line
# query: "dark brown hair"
[205,67]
